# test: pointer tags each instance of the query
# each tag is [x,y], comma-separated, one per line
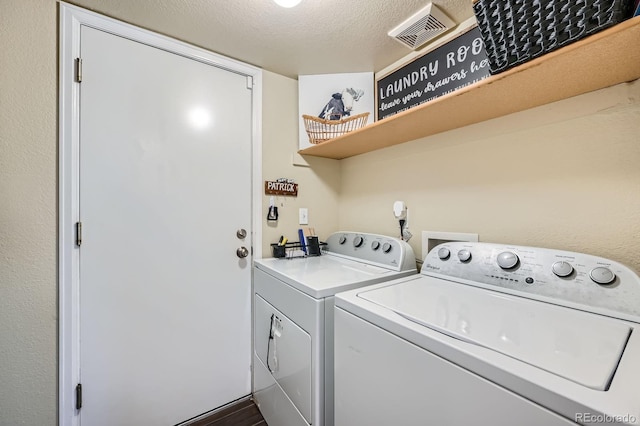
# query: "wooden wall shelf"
[607,58]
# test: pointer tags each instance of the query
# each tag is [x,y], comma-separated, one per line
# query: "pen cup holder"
[278,250]
[313,246]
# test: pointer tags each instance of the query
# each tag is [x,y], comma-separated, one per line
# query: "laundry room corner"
[318,179]
[563,175]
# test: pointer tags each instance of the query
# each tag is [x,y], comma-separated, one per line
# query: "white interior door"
[165,183]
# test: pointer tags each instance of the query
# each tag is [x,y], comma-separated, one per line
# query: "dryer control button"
[444,253]
[507,260]
[464,255]
[357,241]
[602,275]
[562,268]
[342,240]
[386,247]
[375,245]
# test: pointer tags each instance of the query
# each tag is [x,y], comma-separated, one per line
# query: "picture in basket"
[331,105]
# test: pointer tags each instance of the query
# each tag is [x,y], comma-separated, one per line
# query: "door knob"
[241,234]
[242,252]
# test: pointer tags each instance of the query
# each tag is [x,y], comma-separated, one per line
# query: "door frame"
[71,18]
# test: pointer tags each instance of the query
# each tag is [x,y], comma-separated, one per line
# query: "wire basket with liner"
[516,31]
[320,130]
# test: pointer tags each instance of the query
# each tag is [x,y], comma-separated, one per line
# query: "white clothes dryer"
[492,334]
[293,321]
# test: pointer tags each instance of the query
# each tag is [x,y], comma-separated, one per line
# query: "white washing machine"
[293,321]
[495,335]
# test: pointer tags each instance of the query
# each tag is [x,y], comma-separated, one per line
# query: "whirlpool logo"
[432,267]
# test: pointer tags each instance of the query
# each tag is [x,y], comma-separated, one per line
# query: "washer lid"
[579,346]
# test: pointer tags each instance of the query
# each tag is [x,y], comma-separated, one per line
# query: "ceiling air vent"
[424,25]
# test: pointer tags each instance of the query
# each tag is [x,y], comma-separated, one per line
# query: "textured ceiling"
[315,37]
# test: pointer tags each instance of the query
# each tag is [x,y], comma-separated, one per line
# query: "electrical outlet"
[303,216]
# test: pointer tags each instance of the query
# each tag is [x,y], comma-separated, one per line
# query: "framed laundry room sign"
[458,63]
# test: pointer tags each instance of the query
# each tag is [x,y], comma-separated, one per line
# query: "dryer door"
[285,349]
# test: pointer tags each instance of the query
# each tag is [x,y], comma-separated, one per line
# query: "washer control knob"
[562,268]
[375,245]
[386,247]
[507,260]
[342,239]
[464,255]
[357,241]
[602,275]
[444,253]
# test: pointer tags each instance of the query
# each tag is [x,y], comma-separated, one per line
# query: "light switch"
[303,216]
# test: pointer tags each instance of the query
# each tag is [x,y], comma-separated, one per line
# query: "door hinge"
[79,70]
[249,82]
[78,234]
[78,396]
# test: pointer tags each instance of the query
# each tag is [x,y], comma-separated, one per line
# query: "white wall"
[565,175]
[28,290]
[318,184]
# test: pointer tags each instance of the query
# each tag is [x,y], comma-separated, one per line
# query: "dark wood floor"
[243,413]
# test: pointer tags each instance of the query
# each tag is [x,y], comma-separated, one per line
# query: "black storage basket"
[516,31]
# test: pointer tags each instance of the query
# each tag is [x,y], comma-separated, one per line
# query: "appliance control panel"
[372,248]
[566,278]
